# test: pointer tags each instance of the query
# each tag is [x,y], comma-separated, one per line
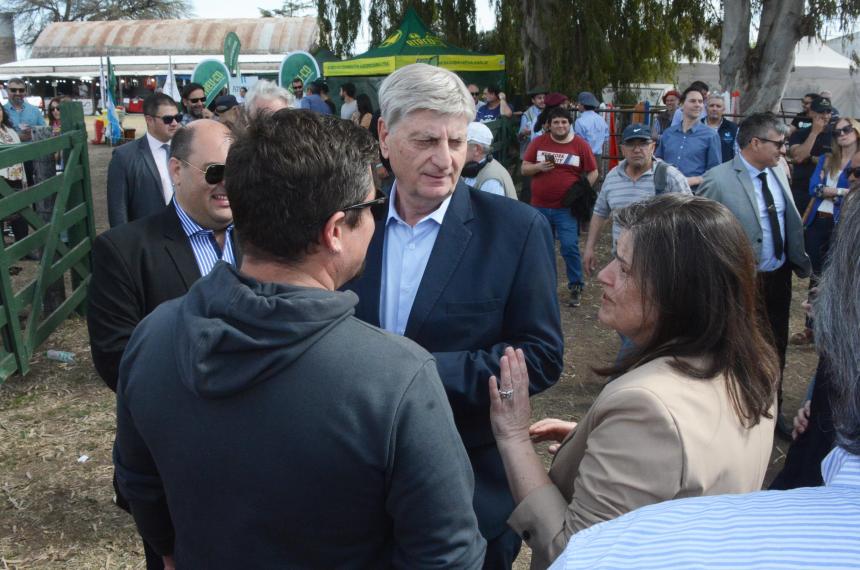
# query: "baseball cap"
[554,99]
[479,133]
[636,131]
[821,105]
[224,103]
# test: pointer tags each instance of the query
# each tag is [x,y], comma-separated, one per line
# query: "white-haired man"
[266,96]
[430,276]
[480,170]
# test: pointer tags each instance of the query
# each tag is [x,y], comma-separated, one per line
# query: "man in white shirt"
[138,180]
[350,105]
[480,170]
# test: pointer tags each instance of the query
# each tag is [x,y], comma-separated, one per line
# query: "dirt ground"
[56,432]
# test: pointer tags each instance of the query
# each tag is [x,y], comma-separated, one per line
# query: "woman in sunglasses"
[52,115]
[13,175]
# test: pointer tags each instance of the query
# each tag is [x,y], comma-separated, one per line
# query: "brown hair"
[697,274]
[833,162]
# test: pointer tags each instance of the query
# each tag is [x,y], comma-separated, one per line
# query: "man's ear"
[174,168]
[384,133]
[331,235]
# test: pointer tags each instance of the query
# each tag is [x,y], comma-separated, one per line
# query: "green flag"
[232,45]
[213,75]
[298,64]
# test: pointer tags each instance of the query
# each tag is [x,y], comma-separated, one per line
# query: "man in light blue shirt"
[691,147]
[811,527]
[589,125]
[701,87]
[22,115]
[313,101]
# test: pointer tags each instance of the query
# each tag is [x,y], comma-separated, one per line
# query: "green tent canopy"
[414,43]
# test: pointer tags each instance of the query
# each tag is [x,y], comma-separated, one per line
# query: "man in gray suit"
[759,195]
[138,180]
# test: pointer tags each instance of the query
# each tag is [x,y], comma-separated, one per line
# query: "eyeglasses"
[474,94]
[855,172]
[17,89]
[297,86]
[167,119]
[196,99]
[779,144]
[55,108]
[844,130]
[379,199]
[640,144]
[214,173]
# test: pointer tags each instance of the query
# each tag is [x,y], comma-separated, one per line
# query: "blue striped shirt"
[813,527]
[206,250]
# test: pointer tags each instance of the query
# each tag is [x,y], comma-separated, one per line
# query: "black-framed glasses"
[378,199]
[297,86]
[55,108]
[196,99]
[213,174]
[474,94]
[844,130]
[855,172]
[17,89]
[167,119]
[779,144]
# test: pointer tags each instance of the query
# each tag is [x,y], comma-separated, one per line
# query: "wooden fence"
[59,213]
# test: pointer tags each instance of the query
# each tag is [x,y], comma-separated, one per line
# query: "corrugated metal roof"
[177,37]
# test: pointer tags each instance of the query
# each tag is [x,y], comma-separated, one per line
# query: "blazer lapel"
[150,161]
[370,283]
[746,183]
[451,244]
[177,247]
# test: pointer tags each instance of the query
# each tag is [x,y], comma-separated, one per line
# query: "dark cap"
[821,105]
[224,103]
[636,131]
[540,90]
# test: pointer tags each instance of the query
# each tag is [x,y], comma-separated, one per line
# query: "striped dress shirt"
[812,527]
[206,250]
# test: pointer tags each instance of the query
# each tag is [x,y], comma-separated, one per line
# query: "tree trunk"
[769,63]
[734,44]
[535,43]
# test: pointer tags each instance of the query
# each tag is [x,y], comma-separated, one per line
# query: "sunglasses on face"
[214,173]
[855,172]
[196,99]
[167,119]
[779,144]
[844,130]
[474,94]
[16,90]
[378,199]
[55,108]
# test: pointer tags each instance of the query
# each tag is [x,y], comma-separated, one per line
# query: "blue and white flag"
[115,130]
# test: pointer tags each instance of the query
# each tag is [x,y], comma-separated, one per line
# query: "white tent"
[817,67]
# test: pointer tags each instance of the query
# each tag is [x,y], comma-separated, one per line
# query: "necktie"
[771,215]
[166,148]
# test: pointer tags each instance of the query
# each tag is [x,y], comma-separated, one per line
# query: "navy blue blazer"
[134,188]
[490,283]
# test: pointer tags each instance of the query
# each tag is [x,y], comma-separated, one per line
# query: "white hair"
[422,87]
[264,90]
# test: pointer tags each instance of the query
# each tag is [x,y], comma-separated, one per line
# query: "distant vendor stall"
[411,43]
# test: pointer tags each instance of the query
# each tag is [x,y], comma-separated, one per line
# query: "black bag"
[580,198]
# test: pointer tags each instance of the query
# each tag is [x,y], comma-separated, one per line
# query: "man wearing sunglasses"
[138,180]
[23,115]
[259,423]
[139,265]
[807,146]
[757,192]
[194,102]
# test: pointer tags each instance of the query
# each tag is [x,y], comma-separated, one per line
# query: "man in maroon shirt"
[556,160]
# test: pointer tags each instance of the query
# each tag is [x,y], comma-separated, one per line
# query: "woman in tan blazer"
[688,410]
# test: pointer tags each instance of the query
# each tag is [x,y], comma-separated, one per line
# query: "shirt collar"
[189,226]
[437,215]
[754,172]
[841,468]
[154,143]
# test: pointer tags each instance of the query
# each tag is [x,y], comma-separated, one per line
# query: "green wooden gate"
[64,241]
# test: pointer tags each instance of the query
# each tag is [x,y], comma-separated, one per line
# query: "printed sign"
[213,75]
[298,64]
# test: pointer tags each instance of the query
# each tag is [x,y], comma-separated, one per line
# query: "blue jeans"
[566,229]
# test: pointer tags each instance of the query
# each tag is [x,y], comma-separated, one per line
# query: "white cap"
[479,133]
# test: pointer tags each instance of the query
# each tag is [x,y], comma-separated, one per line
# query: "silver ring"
[506,394]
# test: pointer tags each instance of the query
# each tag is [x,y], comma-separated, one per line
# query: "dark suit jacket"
[136,267]
[490,282]
[134,188]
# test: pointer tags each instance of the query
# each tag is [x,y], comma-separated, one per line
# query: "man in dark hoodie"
[259,423]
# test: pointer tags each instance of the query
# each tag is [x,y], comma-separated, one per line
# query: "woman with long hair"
[13,175]
[364,114]
[52,115]
[689,408]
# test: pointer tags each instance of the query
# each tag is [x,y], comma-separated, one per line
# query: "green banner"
[232,45]
[213,75]
[298,64]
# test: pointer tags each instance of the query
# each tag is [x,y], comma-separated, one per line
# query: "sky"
[240,9]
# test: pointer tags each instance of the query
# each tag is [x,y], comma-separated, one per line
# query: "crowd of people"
[323,328]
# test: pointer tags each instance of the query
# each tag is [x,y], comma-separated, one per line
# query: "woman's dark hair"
[364,105]
[55,101]
[283,188]
[6,121]
[697,274]
[549,113]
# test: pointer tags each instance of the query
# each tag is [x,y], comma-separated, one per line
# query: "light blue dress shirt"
[206,250]
[28,114]
[768,261]
[693,152]
[406,251]
[811,527]
[678,117]
[490,186]
[592,128]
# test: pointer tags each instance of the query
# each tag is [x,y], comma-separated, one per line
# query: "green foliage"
[290,9]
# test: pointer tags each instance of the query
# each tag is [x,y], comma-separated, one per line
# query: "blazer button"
[526,535]
[759,240]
